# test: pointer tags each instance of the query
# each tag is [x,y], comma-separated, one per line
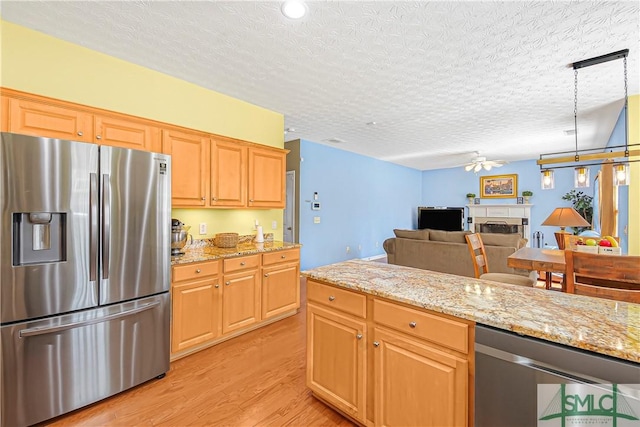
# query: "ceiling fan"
[481,162]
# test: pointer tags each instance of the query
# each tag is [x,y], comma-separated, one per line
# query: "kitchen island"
[220,293]
[391,346]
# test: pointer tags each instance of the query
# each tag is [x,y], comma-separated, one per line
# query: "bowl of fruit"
[598,245]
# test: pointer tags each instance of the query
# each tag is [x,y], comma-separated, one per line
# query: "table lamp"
[565,217]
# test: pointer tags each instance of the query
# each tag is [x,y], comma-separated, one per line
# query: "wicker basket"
[226,240]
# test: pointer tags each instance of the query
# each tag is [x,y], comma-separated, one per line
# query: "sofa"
[447,251]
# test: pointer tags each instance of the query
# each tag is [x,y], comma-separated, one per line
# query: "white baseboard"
[375,257]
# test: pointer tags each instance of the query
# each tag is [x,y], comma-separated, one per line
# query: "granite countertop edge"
[530,312]
[209,252]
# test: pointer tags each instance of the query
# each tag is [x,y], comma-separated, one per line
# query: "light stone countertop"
[204,250]
[594,324]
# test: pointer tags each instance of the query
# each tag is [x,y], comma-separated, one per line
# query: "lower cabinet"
[336,359]
[213,301]
[406,368]
[386,364]
[195,300]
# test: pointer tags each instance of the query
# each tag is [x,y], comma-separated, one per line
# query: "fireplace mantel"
[505,210]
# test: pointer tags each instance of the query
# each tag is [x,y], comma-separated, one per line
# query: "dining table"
[539,259]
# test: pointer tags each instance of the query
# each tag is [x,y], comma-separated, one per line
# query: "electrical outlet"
[203,228]
[359,248]
[348,249]
[316,220]
[274,225]
[377,244]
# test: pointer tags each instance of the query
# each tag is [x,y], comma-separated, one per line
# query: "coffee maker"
[179,234]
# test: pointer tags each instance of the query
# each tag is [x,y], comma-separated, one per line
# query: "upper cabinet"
[189,168]
[267,171]
[53,121]
[127,133]
[228,174]
[208,171]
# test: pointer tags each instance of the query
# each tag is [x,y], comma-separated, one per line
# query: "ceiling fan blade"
[468,167]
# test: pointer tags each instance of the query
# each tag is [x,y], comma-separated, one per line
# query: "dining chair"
[605,276]
[481,267]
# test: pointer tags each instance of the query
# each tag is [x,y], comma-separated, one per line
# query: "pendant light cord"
[575,110]
[626,111]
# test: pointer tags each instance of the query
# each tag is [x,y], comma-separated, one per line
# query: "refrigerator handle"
[93,224]
[106,225]
[42,330]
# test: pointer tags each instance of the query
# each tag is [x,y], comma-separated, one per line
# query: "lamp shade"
[566,217]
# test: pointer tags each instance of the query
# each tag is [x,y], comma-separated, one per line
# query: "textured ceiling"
[440,80]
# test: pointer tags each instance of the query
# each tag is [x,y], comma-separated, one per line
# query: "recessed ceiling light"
[335,140]
[294,9]
[287,130]
[569,132]
[371,123]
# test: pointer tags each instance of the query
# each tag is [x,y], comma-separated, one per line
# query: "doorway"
[288,234]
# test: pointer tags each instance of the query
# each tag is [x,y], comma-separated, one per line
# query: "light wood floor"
[257,379]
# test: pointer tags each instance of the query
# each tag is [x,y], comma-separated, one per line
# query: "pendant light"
[581,177]
[621,174]
[547,180]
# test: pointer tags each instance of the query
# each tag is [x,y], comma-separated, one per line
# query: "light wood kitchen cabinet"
[51,121]
[241,293]
[280,282]
[228,174]
[127,133]
[267,171]
[196,305]
[336,348]
[189,168]
[406,368]
[4,114]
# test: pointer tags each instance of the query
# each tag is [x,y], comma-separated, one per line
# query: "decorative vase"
[526,199]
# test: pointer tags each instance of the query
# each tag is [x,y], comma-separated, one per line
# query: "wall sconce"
[581,177]
[621,174]
[547,181]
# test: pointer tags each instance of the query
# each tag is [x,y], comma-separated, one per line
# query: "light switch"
[203,228]
[316,220]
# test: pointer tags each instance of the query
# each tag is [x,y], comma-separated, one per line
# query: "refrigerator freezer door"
[135,249]
[45,226]
[66,362]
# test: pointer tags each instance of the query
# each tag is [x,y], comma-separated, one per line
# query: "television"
[448,219]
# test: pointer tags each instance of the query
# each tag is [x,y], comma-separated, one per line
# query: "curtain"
[607,202]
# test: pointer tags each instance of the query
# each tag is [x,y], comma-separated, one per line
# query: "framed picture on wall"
[499,186]
[520,200]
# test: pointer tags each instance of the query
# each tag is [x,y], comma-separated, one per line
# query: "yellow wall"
[34,62]
[634,186]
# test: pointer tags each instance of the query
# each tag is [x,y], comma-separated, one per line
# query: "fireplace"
[504,218]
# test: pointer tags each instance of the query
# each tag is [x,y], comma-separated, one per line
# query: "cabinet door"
[228,174]
[280,289]
[189,168]
[4,114]
[240,300]
[336,363]
[416,384]
[267,178]
[124,133]
[34,118]
[196,313]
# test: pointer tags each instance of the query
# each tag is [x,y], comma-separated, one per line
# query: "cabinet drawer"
[241,263]
[195,270]
[337,298]
[280,256]
[436,329]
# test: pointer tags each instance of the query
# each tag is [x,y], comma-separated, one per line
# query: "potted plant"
[526,194]
[583,204]
[470,197]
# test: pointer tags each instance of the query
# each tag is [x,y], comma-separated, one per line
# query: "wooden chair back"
[605,276]
[478,254]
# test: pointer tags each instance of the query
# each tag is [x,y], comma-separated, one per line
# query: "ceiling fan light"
[478,167]
[486,166]
[468,167]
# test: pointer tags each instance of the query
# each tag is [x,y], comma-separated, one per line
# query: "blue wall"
[362,200]
[448,187]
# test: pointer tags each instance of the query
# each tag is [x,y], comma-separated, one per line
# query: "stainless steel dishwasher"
[509,368]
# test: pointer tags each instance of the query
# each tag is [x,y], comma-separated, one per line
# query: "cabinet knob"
[242,263]
[376,344]
[197,270]
[331,298]
[80,133]
[98,136]
[359,336]
[412,324]
[266,275]
[203,199]
[213,199]
[251,200]
[217,286]
[227,283]
[283,256]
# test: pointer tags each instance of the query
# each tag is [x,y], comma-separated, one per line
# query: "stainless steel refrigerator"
[84,273]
